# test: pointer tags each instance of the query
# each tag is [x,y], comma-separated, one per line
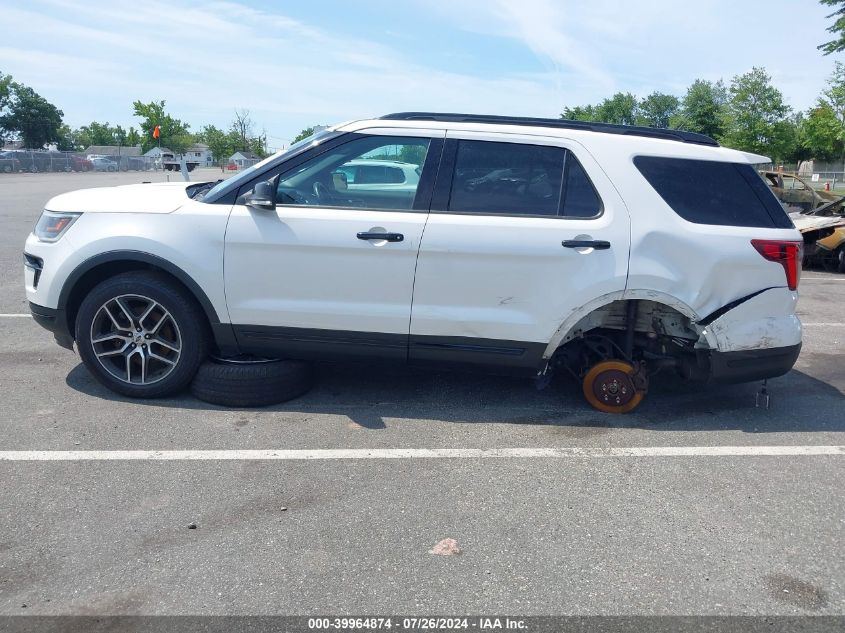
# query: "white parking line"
[822,278]
[16,316]
[823,324]
[422,453]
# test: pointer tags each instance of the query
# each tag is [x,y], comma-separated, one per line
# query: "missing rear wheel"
[614,386]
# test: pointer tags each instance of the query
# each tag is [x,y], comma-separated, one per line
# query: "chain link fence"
[18,160]
[818,174]
[14,161]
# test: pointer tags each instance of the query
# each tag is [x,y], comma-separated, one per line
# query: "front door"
[523,231]
[330,271]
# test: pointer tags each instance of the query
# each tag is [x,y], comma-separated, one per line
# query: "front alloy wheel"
[142,334]
[136,339]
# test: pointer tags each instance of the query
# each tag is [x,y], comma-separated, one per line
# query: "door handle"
[599,245]
[387,237]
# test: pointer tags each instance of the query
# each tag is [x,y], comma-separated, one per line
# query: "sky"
[296,64]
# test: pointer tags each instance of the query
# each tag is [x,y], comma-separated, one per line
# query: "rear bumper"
[54,321]
[742,366]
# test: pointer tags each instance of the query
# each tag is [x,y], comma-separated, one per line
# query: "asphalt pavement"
[750,533]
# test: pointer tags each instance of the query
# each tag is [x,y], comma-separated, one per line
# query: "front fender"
[140,257]
[188,244]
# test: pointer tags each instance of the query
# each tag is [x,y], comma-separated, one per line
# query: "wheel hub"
[614,387]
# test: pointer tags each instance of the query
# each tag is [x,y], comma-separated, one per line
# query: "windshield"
[246,174]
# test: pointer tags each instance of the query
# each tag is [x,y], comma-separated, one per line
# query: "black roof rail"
[591,126]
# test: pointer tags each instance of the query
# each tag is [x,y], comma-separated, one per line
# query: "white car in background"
[513,244]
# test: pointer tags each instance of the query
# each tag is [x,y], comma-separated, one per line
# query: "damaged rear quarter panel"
[703,266]
[764,321]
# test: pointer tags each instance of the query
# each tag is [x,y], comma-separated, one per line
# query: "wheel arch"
[105,265]
[580,316]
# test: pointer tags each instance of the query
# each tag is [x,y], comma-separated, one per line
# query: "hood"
[159,197]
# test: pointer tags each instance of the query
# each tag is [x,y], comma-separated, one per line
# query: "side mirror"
[262,198]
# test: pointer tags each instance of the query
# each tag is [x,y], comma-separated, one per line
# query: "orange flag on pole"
[156,131]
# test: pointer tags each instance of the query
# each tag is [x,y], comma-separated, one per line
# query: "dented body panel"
[764,321]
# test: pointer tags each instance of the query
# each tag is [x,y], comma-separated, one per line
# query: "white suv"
[523,245]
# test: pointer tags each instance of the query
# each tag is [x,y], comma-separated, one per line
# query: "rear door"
[523,230]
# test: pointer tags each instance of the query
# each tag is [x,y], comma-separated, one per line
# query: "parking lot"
[713,507]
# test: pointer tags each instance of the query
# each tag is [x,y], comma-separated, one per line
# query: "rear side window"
[709,192]
[517,179]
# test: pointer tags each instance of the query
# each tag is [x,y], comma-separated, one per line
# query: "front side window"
[370,173]
[516,179]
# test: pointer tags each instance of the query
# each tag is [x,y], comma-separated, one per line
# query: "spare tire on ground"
[246,381]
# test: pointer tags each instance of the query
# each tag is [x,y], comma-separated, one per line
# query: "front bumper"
[55,321]
[740,366]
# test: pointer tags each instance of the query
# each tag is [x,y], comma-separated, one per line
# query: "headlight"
[53,224]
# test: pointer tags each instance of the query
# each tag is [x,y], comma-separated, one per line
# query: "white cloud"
[287,73]
[598,47]
[208,57]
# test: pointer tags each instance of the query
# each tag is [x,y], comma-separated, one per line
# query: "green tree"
[834,96]
[5,90]
[787,141]
[621,108]
[703,109]
[306,133]
[95,134]
[837,28]
[579,113]
[31,116]
[174,133]
[133,139]
[5,98]
[218,141]
[799,150]
[757,116]
[258,145]
[658,109]
[821,132]
[67,139]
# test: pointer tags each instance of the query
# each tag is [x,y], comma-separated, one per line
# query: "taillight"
[785,252]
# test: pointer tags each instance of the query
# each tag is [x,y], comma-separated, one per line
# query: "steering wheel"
[321,192]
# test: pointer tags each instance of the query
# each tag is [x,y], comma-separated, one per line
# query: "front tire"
[141,335]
